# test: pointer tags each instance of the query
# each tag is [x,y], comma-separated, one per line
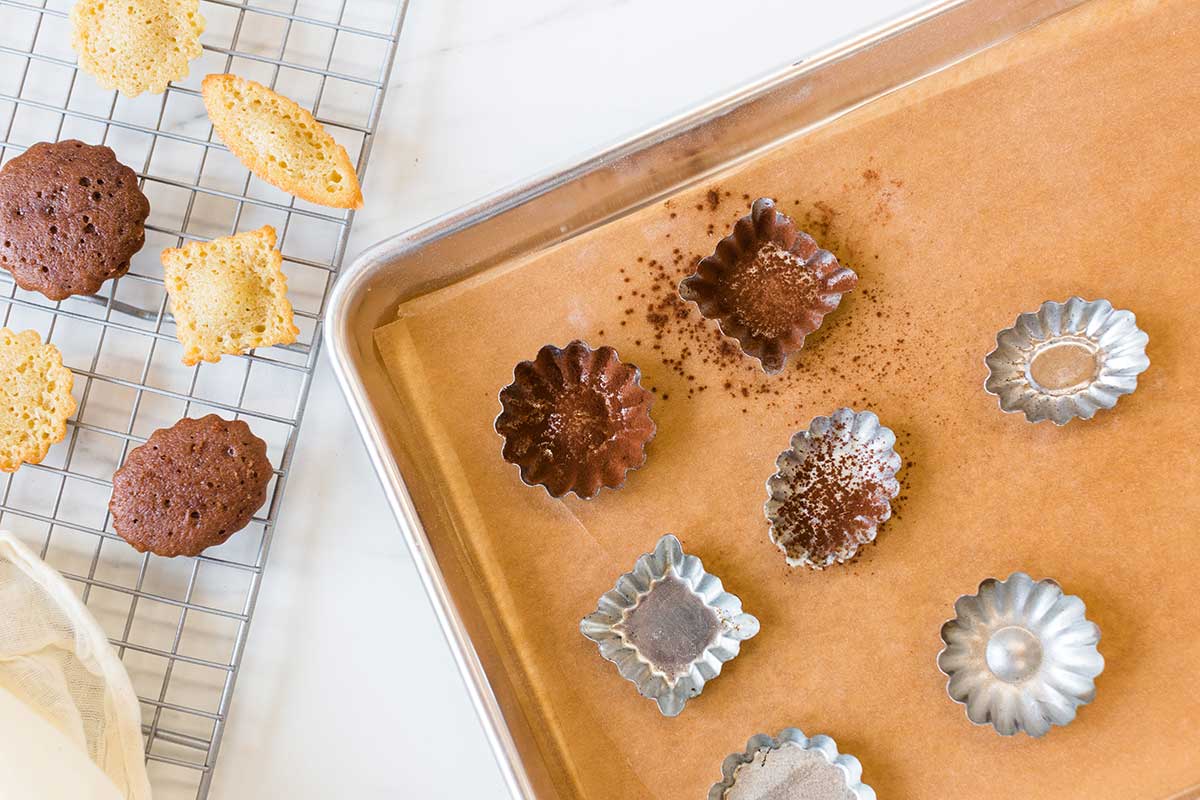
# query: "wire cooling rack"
[180,625]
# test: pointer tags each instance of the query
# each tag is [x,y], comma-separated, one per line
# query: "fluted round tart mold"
[1021,655]
[575,420]
[849,766]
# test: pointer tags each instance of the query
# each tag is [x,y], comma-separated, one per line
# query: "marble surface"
[348,689]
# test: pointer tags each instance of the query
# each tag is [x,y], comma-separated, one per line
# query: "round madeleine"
[136,46]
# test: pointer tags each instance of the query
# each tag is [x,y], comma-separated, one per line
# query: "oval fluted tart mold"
[833,488]
[1067,360]
[575,419]
[768,285]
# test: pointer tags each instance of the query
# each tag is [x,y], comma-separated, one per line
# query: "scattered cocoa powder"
[693,348]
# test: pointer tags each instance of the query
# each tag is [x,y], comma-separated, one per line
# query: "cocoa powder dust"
[694,348]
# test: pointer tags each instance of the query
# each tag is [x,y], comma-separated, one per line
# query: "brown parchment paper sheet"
[1061,162]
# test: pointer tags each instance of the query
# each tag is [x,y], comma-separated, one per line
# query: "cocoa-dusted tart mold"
[833,488]
[575,420]
[768,285]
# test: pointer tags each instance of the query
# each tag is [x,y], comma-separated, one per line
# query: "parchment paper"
[1063,162]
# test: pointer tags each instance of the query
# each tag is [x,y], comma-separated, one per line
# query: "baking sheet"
[1057,163]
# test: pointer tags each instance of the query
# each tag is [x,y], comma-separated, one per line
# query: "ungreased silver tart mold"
[1021,655]
[669,626]
[1067,360]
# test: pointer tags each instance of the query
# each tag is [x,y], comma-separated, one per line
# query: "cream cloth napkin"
[38,761]
[57,667]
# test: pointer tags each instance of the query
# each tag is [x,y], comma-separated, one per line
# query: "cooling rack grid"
[180,625]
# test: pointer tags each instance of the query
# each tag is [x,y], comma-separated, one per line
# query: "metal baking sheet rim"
[1010,18]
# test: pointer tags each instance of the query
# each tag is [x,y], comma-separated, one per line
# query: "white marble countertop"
[348,689]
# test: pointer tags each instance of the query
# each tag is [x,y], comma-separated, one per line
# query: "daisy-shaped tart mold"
[833,488]
[1021,655]
[1067,360]
[669,626]
[790,765]
[575,419]
[768,285]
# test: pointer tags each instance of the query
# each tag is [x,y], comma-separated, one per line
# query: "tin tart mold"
[1067,360]
[1020,655]
[833,488]
[768,285]
[760,746]
[575,420]
[669,625]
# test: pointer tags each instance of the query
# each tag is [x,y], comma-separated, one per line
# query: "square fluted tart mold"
[768,285]
[1067,360]
[669,626]
[791,765]
[1021,655]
